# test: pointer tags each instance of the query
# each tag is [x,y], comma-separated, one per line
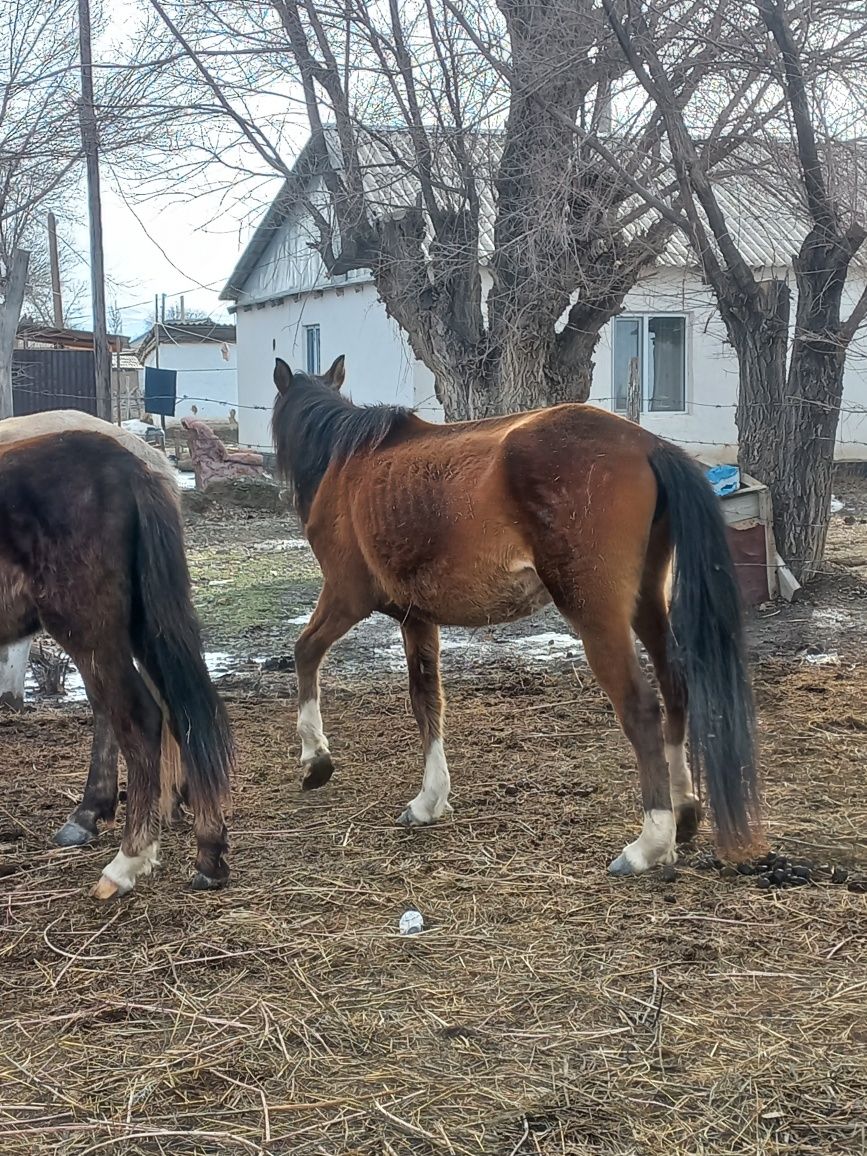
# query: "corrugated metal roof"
[761,213]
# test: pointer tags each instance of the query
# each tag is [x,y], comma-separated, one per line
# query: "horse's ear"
[336,375]
[282,375]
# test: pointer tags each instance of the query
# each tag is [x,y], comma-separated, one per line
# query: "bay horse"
[483,522]
[91,549]
[99,802]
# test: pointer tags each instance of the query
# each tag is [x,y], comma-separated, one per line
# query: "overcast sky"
[180,246]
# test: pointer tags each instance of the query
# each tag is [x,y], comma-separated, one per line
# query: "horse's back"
[59,421]
[458,521]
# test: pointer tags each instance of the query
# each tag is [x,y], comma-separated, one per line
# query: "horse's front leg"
[329,622]
[421,641]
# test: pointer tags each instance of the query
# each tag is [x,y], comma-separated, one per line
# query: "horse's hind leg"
[605,629]
[422,644]
[652,627]
[116,688]
[329,622]
[99,801]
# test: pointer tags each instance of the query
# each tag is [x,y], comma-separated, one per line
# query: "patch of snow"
[822,659]
[300,619]
[836,505]
[185,480]
[217,662]
[279,545]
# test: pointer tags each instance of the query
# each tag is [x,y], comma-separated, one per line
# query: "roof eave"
[286,199]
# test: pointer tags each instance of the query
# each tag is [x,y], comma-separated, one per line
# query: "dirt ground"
[547,1009]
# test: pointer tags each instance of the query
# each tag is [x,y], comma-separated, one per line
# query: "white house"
[204,353]
[286,305]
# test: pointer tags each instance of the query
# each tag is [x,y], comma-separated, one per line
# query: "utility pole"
[157,344]
[90,145]
[56,293]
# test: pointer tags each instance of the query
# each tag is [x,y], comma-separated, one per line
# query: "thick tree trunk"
[760,337]
[808,422]
[787,418]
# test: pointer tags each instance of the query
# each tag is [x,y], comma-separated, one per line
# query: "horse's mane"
[313,425]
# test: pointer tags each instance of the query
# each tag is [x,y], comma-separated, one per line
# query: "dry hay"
[547,1010]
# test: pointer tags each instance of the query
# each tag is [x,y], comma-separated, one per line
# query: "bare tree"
[795,70]
[442,134]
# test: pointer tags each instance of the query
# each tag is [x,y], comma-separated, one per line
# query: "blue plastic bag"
[724,479]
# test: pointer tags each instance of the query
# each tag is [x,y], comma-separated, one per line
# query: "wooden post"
[56,292]
[90,146]
[157,342]
[633,392]
[10,314]
[117,371]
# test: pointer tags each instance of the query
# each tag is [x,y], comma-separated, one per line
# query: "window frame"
[645,317]
[309,331]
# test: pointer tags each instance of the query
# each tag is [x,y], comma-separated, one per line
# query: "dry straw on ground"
[546,1010]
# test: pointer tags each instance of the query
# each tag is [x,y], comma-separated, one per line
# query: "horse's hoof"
[201,882]
[688,819]
[72,834]
[621,866]
[106,889]
[408,819]
[317,772]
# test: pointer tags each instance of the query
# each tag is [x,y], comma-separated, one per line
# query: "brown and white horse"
[99,802]
[91,548]
[487,521]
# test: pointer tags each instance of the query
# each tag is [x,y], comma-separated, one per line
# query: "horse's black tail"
[169,646]
[706,645]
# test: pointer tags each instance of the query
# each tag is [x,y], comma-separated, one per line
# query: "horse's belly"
[481,599]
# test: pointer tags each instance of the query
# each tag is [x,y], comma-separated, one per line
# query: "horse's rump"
[58,421]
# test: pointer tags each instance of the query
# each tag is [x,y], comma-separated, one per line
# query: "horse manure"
[729,873]
[858,886]
[510,791]
[669,897]
[746,869]
[6,869]
[763,882]
[801,872]
[839,875]
[778,875]
[668,874]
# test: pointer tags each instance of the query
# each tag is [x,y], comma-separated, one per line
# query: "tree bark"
[10,314]
[758,328]
[809,417]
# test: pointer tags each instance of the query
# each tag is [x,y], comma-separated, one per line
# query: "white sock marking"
[432,801]
[313,740]
[656,843]
[125,869]
[679,775]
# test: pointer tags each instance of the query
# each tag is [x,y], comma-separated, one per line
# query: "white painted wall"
[382,368]
[205,379]
[707,426]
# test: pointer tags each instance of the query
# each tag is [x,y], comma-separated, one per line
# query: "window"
[651,350]
[311,348]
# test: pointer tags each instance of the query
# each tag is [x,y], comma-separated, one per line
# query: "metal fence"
[44,379]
